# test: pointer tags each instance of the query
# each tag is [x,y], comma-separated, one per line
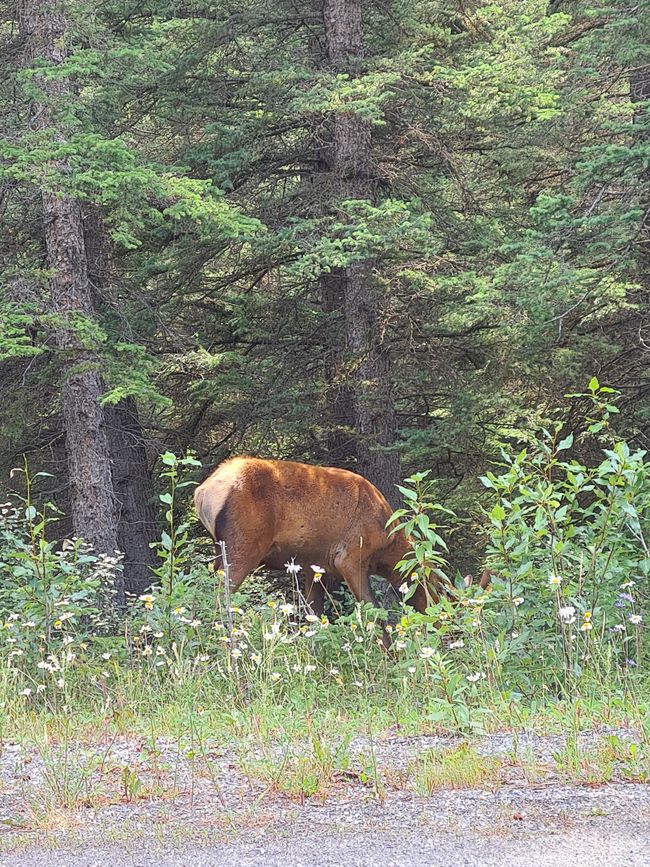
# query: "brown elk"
[269,512]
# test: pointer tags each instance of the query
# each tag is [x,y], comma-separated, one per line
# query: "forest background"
[388,236]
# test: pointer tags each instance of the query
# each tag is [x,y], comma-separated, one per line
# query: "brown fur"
[268,512]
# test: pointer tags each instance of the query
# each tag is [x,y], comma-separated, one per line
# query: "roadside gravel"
[217,814]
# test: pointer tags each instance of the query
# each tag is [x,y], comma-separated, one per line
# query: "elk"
[268,512]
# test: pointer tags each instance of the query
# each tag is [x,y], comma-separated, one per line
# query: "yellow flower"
[587,615]
[586,626]
[58,624]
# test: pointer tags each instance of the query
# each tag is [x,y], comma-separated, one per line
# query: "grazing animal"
[268,512]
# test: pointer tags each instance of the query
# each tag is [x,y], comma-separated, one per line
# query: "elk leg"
[243,556]
[356,576]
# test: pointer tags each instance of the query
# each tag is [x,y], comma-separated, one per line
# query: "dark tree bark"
[134,494]
[355,177]
[94,510]
[132,483]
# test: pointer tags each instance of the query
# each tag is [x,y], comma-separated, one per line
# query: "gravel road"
[515,822]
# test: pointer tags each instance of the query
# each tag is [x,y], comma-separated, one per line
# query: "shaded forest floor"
[530,798]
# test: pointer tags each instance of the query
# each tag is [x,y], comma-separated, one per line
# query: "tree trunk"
[134,494]
[132,484]
[356,178]
[94,512]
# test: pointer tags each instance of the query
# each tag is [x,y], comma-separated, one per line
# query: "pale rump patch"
[210,496]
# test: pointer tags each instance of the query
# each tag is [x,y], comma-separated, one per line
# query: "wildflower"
[474,677]
[30,624]
[456,644]
[324,622]
[148,600]
[587,626]
[618,627]
[292,568]
[236,653]
[311,618]
[40,687]
[309,669]
[287,608]
[204,657]
[68,640]
[26,692]
[177,611]
[517,601]
[334,671]
[587,616]
[412,669]
[58,623]
[567,614]
[195,623]
[358,683]
[256,658]
[310,633]
[427,653]
[554,580]
[272,604]
[318,572]
[358,639]
[276,676]
[626,597]
[147,651]
[630,663]
[158,634]
[60,683]
[400,645]
[403,588]
[627,584]
[106,655]
[636,619]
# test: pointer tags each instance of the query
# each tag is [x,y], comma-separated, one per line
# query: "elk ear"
[486,577]
[468,580]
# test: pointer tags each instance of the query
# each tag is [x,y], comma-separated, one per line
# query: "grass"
[460,767]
